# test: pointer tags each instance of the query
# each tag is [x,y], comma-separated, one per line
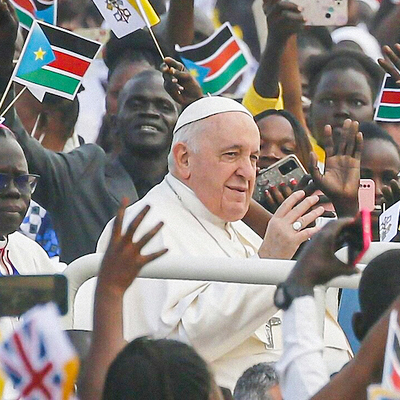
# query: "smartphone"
[19,293]
[283,171]
[366,194]
[324,12]
[357,237]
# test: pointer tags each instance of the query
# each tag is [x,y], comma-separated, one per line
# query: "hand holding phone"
[284,172]
[357,236]
[324,12]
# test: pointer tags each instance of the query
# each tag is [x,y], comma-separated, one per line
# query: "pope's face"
[223,171]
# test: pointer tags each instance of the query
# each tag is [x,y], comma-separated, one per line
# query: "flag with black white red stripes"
[388,109]
[54,60]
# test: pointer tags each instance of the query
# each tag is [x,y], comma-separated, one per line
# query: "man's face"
[13,203]
[340,94]
[222,173]
[146,115]
[117,81]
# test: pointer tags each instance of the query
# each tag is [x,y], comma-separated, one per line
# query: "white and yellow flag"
[126,16]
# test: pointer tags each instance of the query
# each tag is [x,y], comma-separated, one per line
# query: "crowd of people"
[143,165]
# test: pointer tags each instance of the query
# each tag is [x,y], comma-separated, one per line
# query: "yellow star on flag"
[194,73]
[39,54]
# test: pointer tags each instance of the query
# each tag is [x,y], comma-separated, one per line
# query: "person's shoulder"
[31,252]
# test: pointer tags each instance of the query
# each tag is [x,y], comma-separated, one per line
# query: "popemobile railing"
[242,271]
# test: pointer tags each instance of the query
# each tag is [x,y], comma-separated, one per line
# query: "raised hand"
[317,263]
[283,18]
[288,228]
[340,181]
[179,83]
[391,193]
[392,62]
[8,34]
[123,260]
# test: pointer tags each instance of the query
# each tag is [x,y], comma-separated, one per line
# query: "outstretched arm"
[283,19]
[121,264]
[301,368]
[179,83]
[366,368]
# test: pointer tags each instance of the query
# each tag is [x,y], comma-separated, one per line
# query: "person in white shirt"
[201,201]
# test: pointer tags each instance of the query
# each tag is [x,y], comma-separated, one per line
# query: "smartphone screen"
[19,293]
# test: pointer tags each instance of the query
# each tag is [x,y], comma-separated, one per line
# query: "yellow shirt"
[257,104]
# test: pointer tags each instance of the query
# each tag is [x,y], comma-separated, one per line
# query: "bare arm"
[387,32]
[177,27]
[366,368]
[291,81]
[283,19]
[121,264]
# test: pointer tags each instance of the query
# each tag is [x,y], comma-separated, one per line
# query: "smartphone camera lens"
[287,167]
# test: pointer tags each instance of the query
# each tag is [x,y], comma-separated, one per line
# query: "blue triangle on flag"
[37,52]
[198,71]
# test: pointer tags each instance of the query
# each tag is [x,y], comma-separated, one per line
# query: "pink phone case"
[366,194]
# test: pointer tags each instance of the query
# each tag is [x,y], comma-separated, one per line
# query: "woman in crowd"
[342,84]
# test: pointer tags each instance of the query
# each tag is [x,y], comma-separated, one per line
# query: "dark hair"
[379,286]
[315,36]
[343,59]
[302,141]
[255,382]
[69,110]
[135,47]
[6,132]
[159,370]
[372,131]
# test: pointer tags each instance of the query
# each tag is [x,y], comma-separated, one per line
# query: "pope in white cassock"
[212,170]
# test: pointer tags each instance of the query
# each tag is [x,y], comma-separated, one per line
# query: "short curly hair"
[343,59]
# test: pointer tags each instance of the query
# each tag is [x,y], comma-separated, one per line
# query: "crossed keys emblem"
[385,226]
[122,14]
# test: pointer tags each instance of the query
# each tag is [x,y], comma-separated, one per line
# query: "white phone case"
[324,12]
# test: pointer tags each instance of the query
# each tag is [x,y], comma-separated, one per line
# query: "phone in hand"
[324,12]
[366,194]
[357,237]
[283,171]
[19,293]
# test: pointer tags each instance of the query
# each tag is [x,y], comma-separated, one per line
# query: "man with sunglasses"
[19,255]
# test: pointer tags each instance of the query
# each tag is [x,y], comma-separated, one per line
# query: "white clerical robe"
[232,326]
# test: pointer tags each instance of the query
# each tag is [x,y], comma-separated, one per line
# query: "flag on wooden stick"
[220,55]
[54,60]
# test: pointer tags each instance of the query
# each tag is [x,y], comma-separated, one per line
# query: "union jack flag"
[38,357]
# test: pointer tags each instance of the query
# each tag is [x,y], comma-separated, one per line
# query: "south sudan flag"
[388,109]
[29,10]
[54,60]
[216,62]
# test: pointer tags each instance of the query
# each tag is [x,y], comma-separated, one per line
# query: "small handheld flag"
[220,55]
[39,358]
[29,10]
[388,109]
[54,60]
[125,16]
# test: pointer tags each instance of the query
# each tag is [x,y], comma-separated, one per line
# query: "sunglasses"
[26,184]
